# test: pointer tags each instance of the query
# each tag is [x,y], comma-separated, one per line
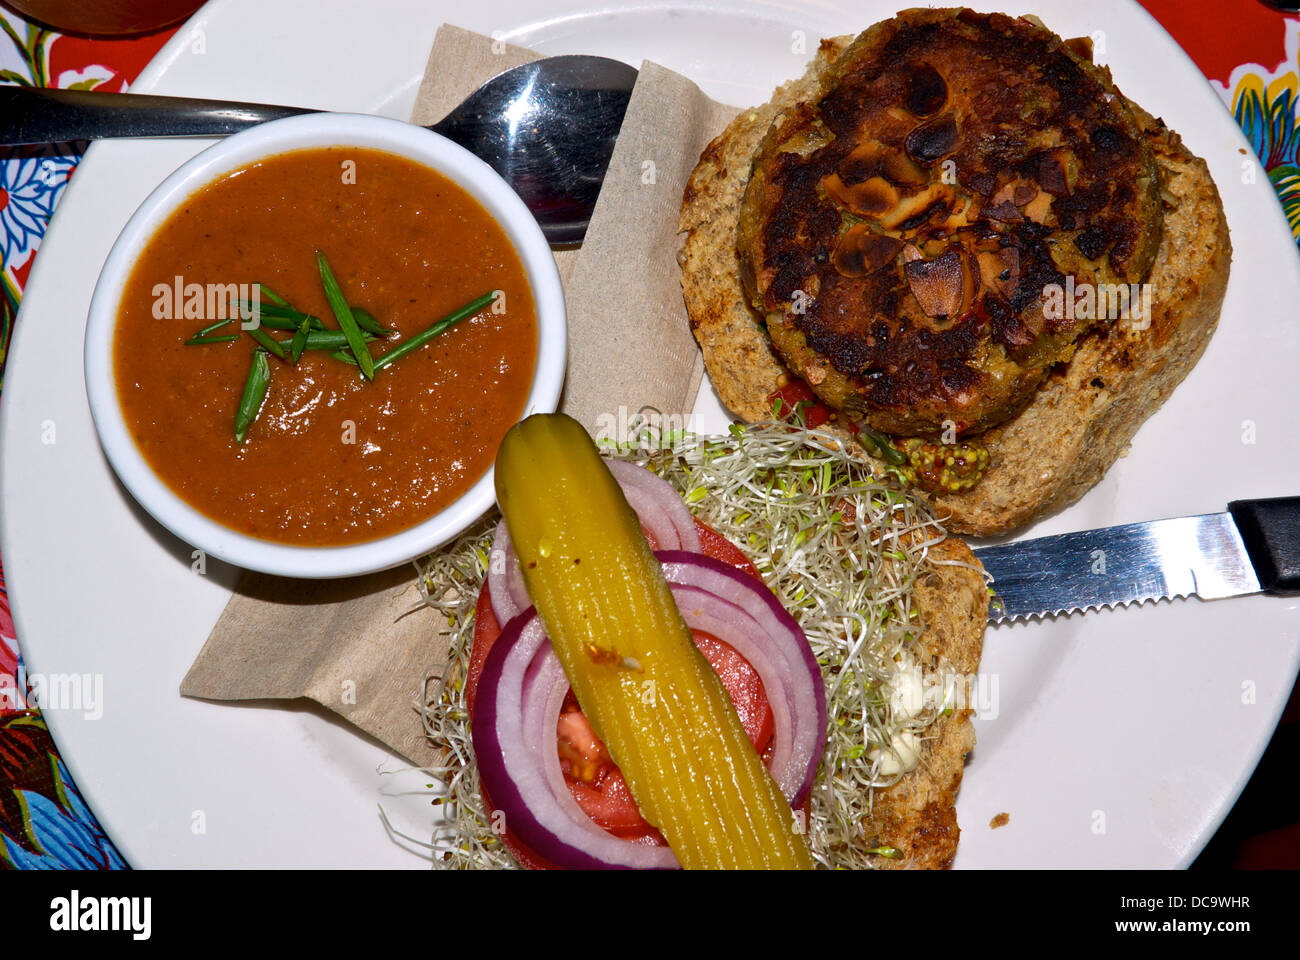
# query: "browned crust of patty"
[918,816]
[737,352]
[876,261]
[1077,423]
[1083,418]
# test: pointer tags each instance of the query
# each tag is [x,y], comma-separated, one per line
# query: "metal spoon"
[548,127]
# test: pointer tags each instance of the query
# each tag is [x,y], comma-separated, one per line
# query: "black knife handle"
[1271,531]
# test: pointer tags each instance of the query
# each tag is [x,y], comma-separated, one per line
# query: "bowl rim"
[305,132]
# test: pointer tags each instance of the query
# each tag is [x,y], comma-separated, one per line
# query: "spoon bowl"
[548,128]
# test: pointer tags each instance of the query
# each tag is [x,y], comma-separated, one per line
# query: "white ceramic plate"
[1120,739]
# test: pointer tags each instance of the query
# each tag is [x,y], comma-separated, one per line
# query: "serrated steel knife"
[1253,547]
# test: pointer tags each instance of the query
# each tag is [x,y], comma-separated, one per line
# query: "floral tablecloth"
[1251,55]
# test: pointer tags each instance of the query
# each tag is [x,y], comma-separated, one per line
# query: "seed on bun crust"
[899,227]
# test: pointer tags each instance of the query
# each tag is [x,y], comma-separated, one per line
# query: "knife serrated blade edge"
[1116,566]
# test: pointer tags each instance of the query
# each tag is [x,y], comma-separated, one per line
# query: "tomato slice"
[796,393]
[593,779]
[715,545]
[486,631]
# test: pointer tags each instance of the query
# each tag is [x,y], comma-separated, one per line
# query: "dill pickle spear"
[649,694]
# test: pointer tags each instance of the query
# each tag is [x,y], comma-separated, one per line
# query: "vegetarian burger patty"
[899,227]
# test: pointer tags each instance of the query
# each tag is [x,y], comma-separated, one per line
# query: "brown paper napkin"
[363,646]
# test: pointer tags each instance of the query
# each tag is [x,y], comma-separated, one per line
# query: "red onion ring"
[520,694]
[663,515]
[711,596]
[523,686]
[505,581]
[665,520]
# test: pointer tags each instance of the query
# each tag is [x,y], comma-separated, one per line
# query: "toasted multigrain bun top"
[900,226]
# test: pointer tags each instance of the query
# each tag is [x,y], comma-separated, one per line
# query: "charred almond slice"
[915,210]
[1004,211]
[1038,208]
[1000,270]
[970,276]
[1004,194]
[1013,191]
[874,159]
[1035,317]
[965,212]
[898,168]
[1009,278]
[932,140]
[1032,202]
[862,164]
[982,182]
[990,267]
[870,198]
[1057,171]
[861,251]
[944,286]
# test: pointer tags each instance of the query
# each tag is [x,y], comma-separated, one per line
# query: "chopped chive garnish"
[215,326]
[343,314]
[366,321]
[277,317]
[299,340]
[357,328]
[288,313]
[274,297]
[276,323]
[424,336]
[266,340]
[333,339]
[250,403]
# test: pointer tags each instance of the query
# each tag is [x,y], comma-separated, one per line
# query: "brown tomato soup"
[332,459]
